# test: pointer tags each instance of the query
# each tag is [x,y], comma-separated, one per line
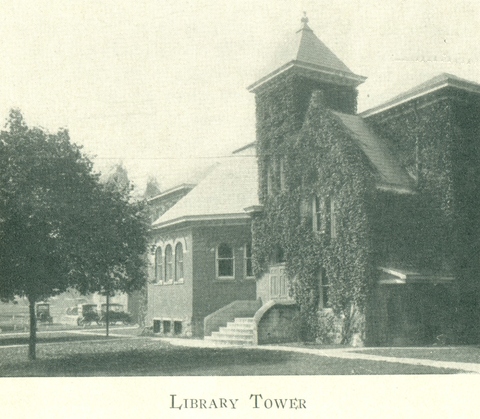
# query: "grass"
[439,353]
[45,338]
[142,356]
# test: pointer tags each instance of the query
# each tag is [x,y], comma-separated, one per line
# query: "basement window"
[167,327]
[177,328]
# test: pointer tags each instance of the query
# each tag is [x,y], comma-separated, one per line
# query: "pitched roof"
[222,194]
[390,173]
[182,188]
[306,51]
[436,83]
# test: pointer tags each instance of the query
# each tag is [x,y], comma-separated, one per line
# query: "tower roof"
[308,55]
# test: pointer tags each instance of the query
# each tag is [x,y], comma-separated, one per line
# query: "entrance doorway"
[278,287]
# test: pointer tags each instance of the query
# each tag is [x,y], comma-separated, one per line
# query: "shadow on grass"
[145,362]
[144,357]
[23,340]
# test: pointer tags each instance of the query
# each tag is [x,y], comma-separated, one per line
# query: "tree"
[152,189]
[120,260]
[118,176]
[61,228]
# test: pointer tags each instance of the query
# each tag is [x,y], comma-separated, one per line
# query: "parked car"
[87,313]
[116,314]
[42,311]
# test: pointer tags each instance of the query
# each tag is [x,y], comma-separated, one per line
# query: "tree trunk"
[107,315]
[33,330]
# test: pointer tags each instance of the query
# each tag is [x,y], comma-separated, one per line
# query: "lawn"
[439,353]
[143,356]
[45,338]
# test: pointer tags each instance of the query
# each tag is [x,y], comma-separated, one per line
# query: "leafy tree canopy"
[60,227]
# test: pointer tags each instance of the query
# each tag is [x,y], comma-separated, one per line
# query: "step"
[237,332]
[227,331]
[248,320]
[223,336]
[238,326]
[229,341]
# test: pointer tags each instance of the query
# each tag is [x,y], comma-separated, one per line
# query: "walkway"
[345,353]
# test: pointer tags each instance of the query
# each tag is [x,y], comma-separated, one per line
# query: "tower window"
[323,214]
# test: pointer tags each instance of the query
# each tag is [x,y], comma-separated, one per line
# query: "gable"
[389,172]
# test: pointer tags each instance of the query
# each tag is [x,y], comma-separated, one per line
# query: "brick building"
[201,254]
[369,218]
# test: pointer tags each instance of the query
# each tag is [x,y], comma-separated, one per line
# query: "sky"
[160,85]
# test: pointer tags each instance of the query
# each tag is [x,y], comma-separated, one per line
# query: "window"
[178,262]
[158,265]
[270,177]
[168,264]
[324,289]
[277,256]
[248,260]
[323,214]
[225,261]
[318,211]
[282,174]
[333,224]
[167,326]
[306,211]
[177,328]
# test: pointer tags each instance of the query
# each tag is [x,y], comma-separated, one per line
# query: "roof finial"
[304,21]
[304,18]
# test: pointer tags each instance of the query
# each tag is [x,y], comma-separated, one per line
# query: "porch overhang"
[399,276]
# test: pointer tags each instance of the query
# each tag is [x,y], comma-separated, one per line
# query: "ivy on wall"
[438,142]
[319,160]
[436,228]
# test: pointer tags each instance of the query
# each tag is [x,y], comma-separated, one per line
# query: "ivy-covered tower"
[309,169]
[303,65]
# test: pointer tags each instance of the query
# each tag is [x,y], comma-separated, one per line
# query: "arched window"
[168,264]
[158,265]
[225,261]
[178,262]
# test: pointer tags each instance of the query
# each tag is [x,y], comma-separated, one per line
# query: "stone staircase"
[238,332]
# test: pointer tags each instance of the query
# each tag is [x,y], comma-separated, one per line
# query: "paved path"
[345,353]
